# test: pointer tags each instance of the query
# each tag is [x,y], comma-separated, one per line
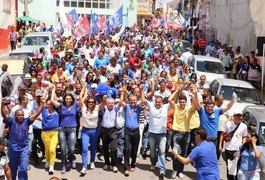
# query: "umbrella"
[103,89]
[26,18]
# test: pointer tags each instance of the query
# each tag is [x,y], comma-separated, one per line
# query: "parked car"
[22,52]
[245,92]
[8,88]
[211,67]
[35,40]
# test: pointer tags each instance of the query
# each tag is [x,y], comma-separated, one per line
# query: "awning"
[26,18]
[144,8]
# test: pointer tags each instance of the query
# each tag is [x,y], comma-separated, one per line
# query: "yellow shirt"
[181,121]
[194,119]
[55,77]
[175,79]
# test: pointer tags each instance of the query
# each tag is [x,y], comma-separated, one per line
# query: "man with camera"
[233,134]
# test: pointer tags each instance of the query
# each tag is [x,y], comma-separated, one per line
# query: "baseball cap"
[38,92]
[3,141]
[188,49]
[237,112]
[94,85]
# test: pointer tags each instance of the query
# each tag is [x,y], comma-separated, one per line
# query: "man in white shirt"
[163,92]
[238,131]
[113,67]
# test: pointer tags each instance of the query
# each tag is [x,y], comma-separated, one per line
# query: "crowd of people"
[122,97]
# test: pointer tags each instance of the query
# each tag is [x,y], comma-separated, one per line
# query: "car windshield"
[36,40]
[210,67]
[261,132]
[30,54]
[246,95]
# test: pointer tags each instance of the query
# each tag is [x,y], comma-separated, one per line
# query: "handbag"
[228,136]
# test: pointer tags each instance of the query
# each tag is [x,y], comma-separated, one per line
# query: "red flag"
[70,21]
[101,23]
[83,29]
[154,23]
[135,26]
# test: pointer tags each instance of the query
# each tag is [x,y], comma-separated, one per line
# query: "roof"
[39,34]
[234,82]
[206,58]
[257,111]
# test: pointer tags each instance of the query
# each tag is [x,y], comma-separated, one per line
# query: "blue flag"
[114,20]
[93,26]
[74,15]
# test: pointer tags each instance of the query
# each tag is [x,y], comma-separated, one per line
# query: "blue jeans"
[158,141]
[244,176]
[18,162]
[145,137]
[181,142]
[67,136]
[121,139]
[89,136]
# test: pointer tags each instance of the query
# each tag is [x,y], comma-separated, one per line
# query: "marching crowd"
[132,94]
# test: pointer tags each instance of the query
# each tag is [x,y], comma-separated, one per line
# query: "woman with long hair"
[250,151]
[67,134]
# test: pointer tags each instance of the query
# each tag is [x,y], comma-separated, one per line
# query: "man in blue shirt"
[209,116]
[205,160]
[18,147]
[101,60]
[132,133]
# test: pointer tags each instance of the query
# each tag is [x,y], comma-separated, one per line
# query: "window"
[57,3]
[81,3]
[73,4]
[102,5]
[95,4]
[6,87]
[66,3]
[88,4]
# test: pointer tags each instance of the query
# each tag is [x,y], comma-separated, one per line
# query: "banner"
[101,23]
[94,26]
[74,16]
[114,21]
[83,29]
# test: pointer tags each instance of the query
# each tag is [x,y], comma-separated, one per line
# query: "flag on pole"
[70,21]
[63,19]
[74,16]
[101,23]
[83,29]
[59,28]
[114,20]
[93,21]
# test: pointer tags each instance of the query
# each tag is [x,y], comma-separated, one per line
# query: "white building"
[47,11]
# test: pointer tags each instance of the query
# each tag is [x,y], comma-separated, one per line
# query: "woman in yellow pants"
[50,126]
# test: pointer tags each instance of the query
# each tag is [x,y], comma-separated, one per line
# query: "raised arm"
[152,90]
[144,101]
[122,102]
[54,102]
[83,95]
[37,113]
[229,105]
[197,104]
[3,109]
[173,98]
[103,102]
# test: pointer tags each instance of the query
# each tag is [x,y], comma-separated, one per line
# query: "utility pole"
[26,3]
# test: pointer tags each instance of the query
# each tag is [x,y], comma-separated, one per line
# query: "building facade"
[47,11]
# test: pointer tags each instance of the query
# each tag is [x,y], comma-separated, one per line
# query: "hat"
[237,112]
[188,49]
[38,92]
[156,47]
[3,141]
[230,45]
[69,50]
[94,85]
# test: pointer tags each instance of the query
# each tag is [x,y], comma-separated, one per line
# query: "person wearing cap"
[4,167]
[186,56]
[238,132]
[18,146]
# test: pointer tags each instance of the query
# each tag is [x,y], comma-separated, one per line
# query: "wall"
[238,22]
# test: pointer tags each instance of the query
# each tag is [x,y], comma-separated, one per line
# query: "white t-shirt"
[113,70]
[236,140]
[90,120]
[166,93]
[157,118]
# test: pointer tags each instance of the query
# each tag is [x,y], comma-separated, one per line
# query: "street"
[141,172]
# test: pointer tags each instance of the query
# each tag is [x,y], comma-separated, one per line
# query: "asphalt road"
[142,171]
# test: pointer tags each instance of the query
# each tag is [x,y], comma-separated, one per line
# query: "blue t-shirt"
[68,115]
[206,162]
[50,120]
[18,134]
[132,115]
[101,62]
[248,160]
[210,121]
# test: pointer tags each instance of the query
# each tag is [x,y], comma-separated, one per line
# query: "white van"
[8,88]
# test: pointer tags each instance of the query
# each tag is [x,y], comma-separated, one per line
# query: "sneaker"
[173,175]
[83,171]
[106,167]
[115,169]
[181,175]
[92,165]
[161,175]
[152,168]
[126,173]
[73,165]
[63,171]
[47,165]
[51,170]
